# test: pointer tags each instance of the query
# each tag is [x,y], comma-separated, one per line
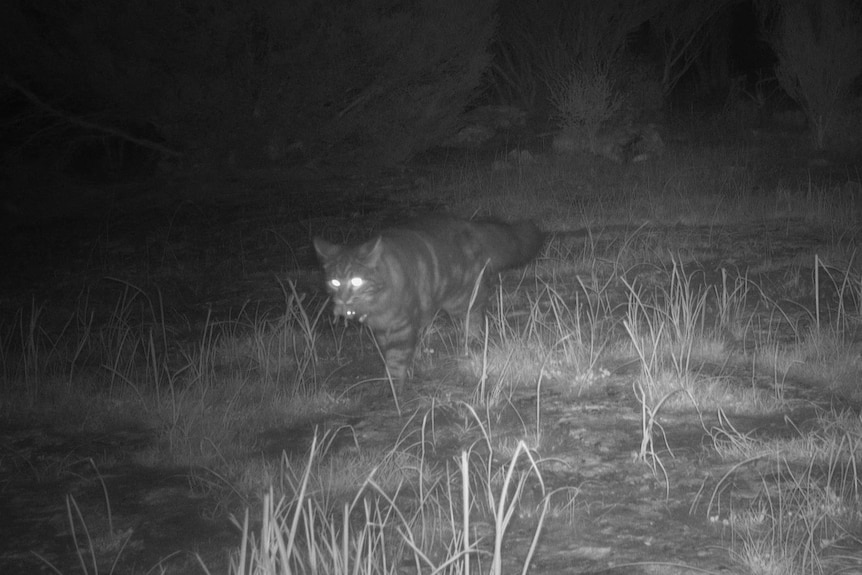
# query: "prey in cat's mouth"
[351,314]
[344,310]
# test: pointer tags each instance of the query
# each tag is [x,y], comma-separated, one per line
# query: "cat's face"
[351,277]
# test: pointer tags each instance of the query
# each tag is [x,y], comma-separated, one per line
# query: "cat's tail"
[510,245]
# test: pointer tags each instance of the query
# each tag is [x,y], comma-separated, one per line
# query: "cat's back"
[428,225]
[454,239]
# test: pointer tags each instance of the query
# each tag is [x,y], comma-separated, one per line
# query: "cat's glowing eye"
[356,282]
[335,283]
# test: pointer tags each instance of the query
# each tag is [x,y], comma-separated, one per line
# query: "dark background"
[100,90]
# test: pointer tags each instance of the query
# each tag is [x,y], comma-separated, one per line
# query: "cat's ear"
[372,251]
[326,250]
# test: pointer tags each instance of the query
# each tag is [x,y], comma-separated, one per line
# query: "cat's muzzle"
[347,312]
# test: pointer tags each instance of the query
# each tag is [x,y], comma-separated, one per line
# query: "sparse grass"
[96,543]
[808,505]
[552,339]
[202,399]
[709,186]
[372,533]
[635,275]
[835,433]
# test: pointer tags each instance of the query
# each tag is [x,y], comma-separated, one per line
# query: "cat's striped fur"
[397,281]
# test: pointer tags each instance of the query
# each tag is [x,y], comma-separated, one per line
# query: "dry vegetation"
[674,380]
[647,273]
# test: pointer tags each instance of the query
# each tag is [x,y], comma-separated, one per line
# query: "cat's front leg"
[398,348]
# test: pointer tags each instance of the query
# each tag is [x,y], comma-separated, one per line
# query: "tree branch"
[81,123]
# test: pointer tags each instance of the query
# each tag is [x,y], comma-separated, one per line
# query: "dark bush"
[247,81]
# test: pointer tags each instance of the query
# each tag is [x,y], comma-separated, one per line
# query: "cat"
[396,282]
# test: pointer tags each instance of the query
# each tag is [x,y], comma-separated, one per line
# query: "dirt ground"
[209,247]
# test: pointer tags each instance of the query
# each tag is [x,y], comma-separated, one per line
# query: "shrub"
[682,29]
[547,38]
[819,49]
[639,82]
[583,100]
[424,62]
[249,81]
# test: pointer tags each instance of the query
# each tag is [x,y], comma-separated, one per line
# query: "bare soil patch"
[209,253]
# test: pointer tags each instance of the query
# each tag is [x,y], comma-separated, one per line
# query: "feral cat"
[397,281]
